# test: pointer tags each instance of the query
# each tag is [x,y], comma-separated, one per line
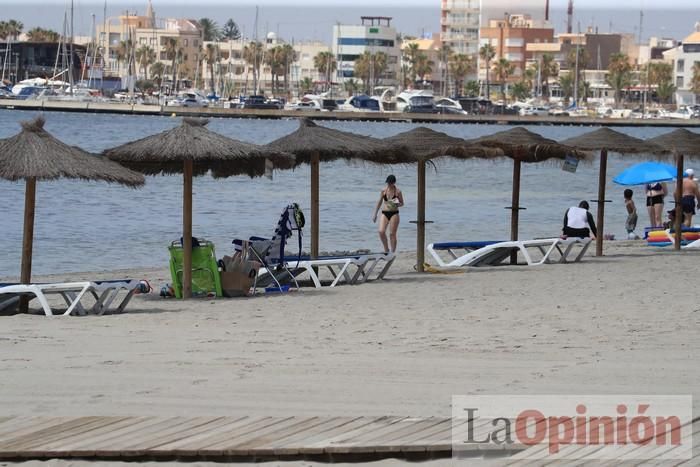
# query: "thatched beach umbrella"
[191,149]
[427,144]
[312,143]
[522,145]
[683,143]
[34,155]
[604,140]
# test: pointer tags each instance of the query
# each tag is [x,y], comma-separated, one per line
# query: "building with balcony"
[373,35]
[510,37]
[686,62]
[459,24]
[147,30]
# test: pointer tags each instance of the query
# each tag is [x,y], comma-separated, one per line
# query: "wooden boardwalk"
[233,438]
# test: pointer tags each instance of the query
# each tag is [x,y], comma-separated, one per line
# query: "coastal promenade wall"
[140,109]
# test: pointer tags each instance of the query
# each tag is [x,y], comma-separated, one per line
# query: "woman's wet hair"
[391,179]
[584,205]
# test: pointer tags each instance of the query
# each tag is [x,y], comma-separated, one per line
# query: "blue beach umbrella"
[646,172]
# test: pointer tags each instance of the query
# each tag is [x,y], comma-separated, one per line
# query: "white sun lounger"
[104,292]
[350,270]
[550,250]
[72,293]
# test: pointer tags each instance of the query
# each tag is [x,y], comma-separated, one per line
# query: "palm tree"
[231,30]
[275,60]
[460,65]
[351,86]
[362,69]
[157,71]
[253,55]
[380,62]
[10,29]
[306,85]
[520,90]
[566,82]
[210,30]
[171,48]
[42,35]
[619,74]
[503,69]
[487,53]
[288,56]
[445,55]
[211,55]
[659,74]
[123,52]
[326,65]
[411,53]
[145,56]
[472,88]
[548,69]
[423,66]
[695,80]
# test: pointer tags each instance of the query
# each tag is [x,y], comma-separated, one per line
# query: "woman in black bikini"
[392,198]
[655,203]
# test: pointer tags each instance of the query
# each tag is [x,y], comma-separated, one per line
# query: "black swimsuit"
[389,214]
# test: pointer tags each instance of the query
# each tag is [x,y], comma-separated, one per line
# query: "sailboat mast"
[70,58]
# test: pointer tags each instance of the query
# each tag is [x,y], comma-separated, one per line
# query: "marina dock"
[44,105]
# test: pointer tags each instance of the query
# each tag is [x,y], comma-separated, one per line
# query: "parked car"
[260,102]
[538,111]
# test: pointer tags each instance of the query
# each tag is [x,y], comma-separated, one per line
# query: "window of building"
[679,82]
[195,43]
[186,42]
[142,40]
[153,41]
[691,48]
[365,42]
[514,42]
[680,66]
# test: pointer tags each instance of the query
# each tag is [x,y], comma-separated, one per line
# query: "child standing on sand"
[631,222]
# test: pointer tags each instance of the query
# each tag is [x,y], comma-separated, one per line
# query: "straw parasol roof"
[428,143]
[613,141]
[682,140]
[34,153]
[328,144]
[165,153]
[526,146]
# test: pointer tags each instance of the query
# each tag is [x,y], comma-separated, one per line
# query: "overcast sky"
[617,4]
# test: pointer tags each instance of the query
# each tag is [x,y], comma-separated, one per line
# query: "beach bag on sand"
[238,273]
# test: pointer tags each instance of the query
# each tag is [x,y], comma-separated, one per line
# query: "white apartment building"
[684,57]
[234,75]
[459,23]
[374,34]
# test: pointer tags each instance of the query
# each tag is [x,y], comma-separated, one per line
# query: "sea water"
[92,226]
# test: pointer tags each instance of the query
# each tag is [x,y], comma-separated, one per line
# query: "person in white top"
[578,222]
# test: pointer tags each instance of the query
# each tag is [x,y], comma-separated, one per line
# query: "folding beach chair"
[205,270]
[495,253]
[270,252]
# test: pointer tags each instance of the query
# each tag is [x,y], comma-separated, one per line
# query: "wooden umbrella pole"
[420,221]
[187,230]
[515,208]
[27,239]
[602,179]
[678,221]
[315,169]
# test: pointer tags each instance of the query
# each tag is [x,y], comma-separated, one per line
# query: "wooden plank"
[266,444]
[349,444]
[21,426]
[56,442]
[230,423]
[316,444]
[64,445]
[88,447]
[121,443]
[294,443]
[218,447]
[192,447]
[441,432]
[46,433]
[189,428]
[231,447]
[394,442]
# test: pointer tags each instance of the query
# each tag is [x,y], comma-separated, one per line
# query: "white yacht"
[417,100]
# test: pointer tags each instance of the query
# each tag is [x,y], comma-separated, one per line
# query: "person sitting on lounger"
[392,198]
[578,222]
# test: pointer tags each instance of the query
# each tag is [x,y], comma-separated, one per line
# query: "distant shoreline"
[155,110]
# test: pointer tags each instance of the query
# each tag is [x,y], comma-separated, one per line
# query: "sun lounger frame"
[492,253]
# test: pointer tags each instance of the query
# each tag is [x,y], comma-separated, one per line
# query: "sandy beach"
[624,323]
[621,324]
